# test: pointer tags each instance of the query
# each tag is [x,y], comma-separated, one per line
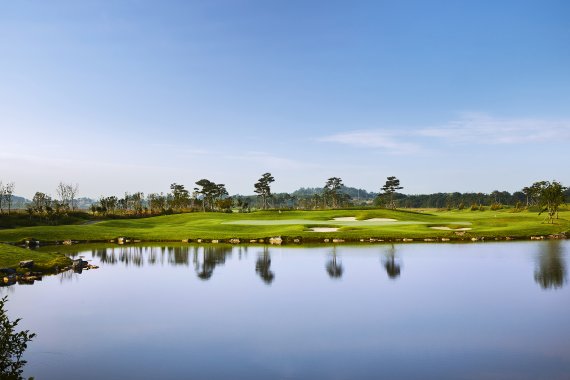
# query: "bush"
[12,346]
[496,206]
[474,207]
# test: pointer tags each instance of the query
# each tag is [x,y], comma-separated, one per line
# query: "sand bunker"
[353,219]
[324,229]
[451,229]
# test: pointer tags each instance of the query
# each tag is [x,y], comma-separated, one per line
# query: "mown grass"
[416,224]
[10,257]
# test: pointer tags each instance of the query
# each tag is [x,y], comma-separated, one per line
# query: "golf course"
[308,226]
[283,227]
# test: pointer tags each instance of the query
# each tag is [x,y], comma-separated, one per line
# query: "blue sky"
[134,95]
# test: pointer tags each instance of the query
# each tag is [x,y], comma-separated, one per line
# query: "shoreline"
[288,240]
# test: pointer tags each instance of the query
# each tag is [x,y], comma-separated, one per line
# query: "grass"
[263,224]
[10,257]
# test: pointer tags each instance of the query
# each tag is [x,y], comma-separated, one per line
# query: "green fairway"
[354,225]
[11,256]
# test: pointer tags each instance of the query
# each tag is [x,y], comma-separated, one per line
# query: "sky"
[133,95]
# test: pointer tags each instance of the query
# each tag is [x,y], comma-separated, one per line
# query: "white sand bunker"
[324,229]
[451,229]
[353,219]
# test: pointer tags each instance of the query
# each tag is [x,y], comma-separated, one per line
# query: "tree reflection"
[262,266]
[334,268]
[207,258]
[550,272]
[391,264]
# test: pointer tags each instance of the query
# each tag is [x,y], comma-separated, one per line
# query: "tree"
[2,193]
[551,196]
[332,190]
[12,346]
[263,189]
[9,195]
[40,202]
[392,184]
[180,197]
[211,192]
[67,194]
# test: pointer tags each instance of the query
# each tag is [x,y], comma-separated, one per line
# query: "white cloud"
[472,128]
[391,142]
[485,129]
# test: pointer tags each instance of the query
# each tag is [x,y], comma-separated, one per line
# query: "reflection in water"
[206,258]
[550,272]
[334,268]
[262,267]
[391,264]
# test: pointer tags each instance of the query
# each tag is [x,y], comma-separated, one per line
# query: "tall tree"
[2,193]
[392,184]
[180,197]
[332,190]
[9,195]
[67,194]
[211,192]
[263,189]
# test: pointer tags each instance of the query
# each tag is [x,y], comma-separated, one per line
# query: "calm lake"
[408,311]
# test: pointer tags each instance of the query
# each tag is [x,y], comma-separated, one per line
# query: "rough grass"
[10,257]
[416,224]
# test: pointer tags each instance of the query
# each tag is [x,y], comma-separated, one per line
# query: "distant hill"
[354,193]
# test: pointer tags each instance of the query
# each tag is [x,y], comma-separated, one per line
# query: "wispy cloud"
[472,128]
[485,129]
[389,141]
[272,161]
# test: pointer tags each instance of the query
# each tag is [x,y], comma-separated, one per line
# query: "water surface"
[410,311]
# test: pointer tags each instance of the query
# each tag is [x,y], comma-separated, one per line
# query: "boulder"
[276,240]
[27,264]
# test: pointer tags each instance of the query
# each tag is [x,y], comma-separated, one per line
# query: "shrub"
[12,346]
[496,206]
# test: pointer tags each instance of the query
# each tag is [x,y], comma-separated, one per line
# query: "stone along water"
[455,311]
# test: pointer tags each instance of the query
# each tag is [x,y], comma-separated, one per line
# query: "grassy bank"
[297,224]
[46,262]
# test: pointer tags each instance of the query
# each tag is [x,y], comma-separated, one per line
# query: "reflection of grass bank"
[11,256]
[354,225]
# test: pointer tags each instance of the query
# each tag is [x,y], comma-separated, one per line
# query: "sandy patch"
[324,229]
[345,219]
[451,229]
[380,220]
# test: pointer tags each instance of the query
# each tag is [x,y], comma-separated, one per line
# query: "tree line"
[208,196]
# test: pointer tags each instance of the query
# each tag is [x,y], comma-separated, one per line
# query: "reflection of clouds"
[550,271]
